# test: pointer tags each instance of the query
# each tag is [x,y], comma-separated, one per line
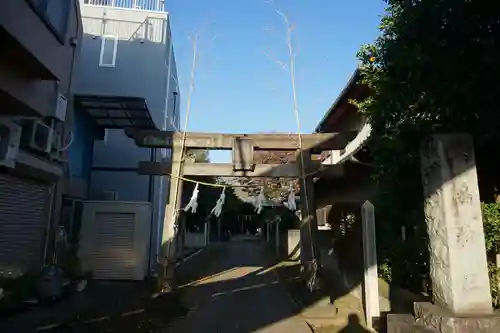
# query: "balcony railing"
[149,5]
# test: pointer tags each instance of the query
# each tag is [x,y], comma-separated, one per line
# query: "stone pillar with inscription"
[458,262]
[458,265]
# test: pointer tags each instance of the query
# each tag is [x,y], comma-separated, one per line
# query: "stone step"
[404,323]
[336,323]
[320,311]
[324,314]
[342,306]
[341,321]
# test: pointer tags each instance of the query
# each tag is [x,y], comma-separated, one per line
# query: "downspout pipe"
[154,256]
[55,188]
[152,158]
[48,227]
[151,189]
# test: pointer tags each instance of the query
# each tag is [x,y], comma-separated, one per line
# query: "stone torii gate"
[242,146]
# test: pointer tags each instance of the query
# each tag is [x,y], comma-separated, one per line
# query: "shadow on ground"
[102,307]
[209,298]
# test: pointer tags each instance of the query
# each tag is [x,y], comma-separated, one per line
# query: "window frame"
[40,9]
[174,111]
[115,49]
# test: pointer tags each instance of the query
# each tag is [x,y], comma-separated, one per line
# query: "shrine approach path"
[241,293]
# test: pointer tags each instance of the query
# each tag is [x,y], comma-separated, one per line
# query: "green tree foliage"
[433,69]
[491,220]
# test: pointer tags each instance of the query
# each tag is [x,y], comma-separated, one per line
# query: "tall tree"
[433,69]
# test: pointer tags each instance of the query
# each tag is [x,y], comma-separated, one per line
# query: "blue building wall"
[81,149]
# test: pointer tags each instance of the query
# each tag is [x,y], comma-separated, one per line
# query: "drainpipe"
[151,187]
[48,225]
[55,187]
[159,227]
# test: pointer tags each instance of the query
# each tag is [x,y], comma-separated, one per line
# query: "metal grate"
[113,256]
[22,224]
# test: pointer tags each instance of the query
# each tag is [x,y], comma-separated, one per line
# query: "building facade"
[40,43]
[353,183]
[126,77]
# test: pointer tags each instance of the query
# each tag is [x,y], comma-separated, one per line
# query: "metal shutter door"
[113,255]
[22,223]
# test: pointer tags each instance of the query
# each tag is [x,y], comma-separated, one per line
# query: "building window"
[55,14]
[174,111]
[109,45]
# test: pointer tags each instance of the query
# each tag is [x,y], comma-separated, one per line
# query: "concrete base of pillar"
[404,323]
[429,318]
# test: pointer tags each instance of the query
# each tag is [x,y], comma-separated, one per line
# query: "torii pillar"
[171,222]
[309,253]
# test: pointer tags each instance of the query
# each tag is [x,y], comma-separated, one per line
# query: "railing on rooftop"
[150,5]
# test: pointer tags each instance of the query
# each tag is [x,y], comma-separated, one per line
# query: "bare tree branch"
[277,189]
[282,64]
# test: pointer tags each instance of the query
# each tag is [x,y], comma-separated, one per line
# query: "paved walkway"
[239,295]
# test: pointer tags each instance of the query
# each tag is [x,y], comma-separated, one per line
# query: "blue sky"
[239,87]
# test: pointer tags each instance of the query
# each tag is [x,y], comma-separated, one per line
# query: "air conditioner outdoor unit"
[37,136]
[61,106]
[10,136]
[56,144]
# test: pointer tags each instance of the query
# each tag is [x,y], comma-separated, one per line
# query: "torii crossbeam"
[221,141]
